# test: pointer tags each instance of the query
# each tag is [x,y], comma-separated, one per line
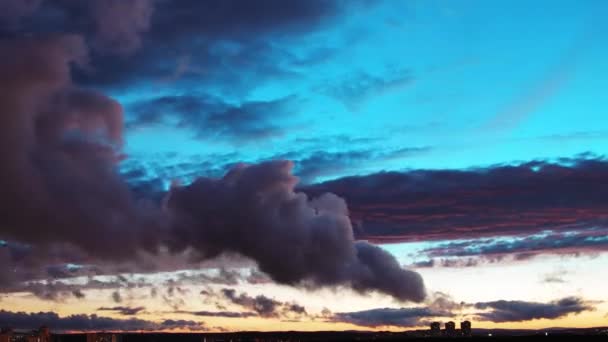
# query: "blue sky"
[424,84]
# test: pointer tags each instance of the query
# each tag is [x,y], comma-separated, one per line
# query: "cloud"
[110,26]
[210,118]
[25,321]
[78,294]
[60,148]
[318,164]
[222,38]
[116,297]
[524,247]
[262,305]
[60,145]
[402,317]
[355,90]
[123,310]
[294,240]
[120,23]
[442,306]
[225,314]
[556,277]
[11,11]
[457,204]
[518,311]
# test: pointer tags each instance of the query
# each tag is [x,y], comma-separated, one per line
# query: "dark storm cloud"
[59,146]
[455,204]
[25,321]
[236,18]
[111,26]
[123,310]
[403,317]
[11,11]
[518,311]
[222,37]
[210,118]
[177,40]
[254,210]
[119,24]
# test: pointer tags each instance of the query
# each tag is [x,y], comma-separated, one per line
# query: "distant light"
[490,334]
[546,333]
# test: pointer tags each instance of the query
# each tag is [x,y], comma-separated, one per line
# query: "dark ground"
[595,334]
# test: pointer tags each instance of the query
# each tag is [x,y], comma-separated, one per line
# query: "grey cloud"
[402,317]
[123,310]
[294,240]
[26,321]
[225,314]
[518,311]
[120,23]
[211,118]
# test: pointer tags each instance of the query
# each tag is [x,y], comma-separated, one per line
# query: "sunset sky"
[216,165]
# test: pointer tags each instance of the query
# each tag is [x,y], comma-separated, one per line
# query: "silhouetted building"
[6,334]
[102,337]
[41,335]
[435,329]
[450,328]
[465,328]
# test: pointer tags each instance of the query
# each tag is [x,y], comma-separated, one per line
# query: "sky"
[207,165]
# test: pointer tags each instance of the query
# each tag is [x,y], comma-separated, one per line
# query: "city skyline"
[303,165]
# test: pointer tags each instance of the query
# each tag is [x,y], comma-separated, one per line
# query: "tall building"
[435,329]
[465,328]
[450,328]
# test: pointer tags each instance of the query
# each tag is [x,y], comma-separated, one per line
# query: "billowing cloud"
[518,311]
[293,239]
[59,147]
[26,321]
